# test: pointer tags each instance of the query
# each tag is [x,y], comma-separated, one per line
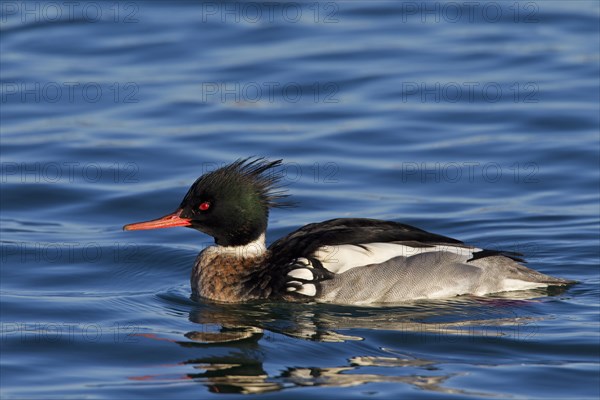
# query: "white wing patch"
[304,273]
[308,289]
[339,259]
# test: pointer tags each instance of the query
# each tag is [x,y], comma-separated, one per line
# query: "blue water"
[478,121]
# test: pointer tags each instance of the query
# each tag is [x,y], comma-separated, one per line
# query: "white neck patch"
[251,250]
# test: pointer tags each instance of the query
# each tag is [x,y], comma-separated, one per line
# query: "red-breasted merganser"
[344,261]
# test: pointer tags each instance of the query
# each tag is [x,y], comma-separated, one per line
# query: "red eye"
[204,206]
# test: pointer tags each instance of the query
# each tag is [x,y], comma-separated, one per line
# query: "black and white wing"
[319,252]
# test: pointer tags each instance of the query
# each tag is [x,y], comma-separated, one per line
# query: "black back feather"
[357,231]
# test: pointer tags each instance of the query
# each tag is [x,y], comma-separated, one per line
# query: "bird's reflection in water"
[236,378]
[244,328]
[487,316]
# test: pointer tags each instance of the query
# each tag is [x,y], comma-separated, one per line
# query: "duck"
[352,261]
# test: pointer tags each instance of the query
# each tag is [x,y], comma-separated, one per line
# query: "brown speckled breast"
[228,278]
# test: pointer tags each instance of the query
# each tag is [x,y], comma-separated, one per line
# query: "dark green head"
[230,204]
